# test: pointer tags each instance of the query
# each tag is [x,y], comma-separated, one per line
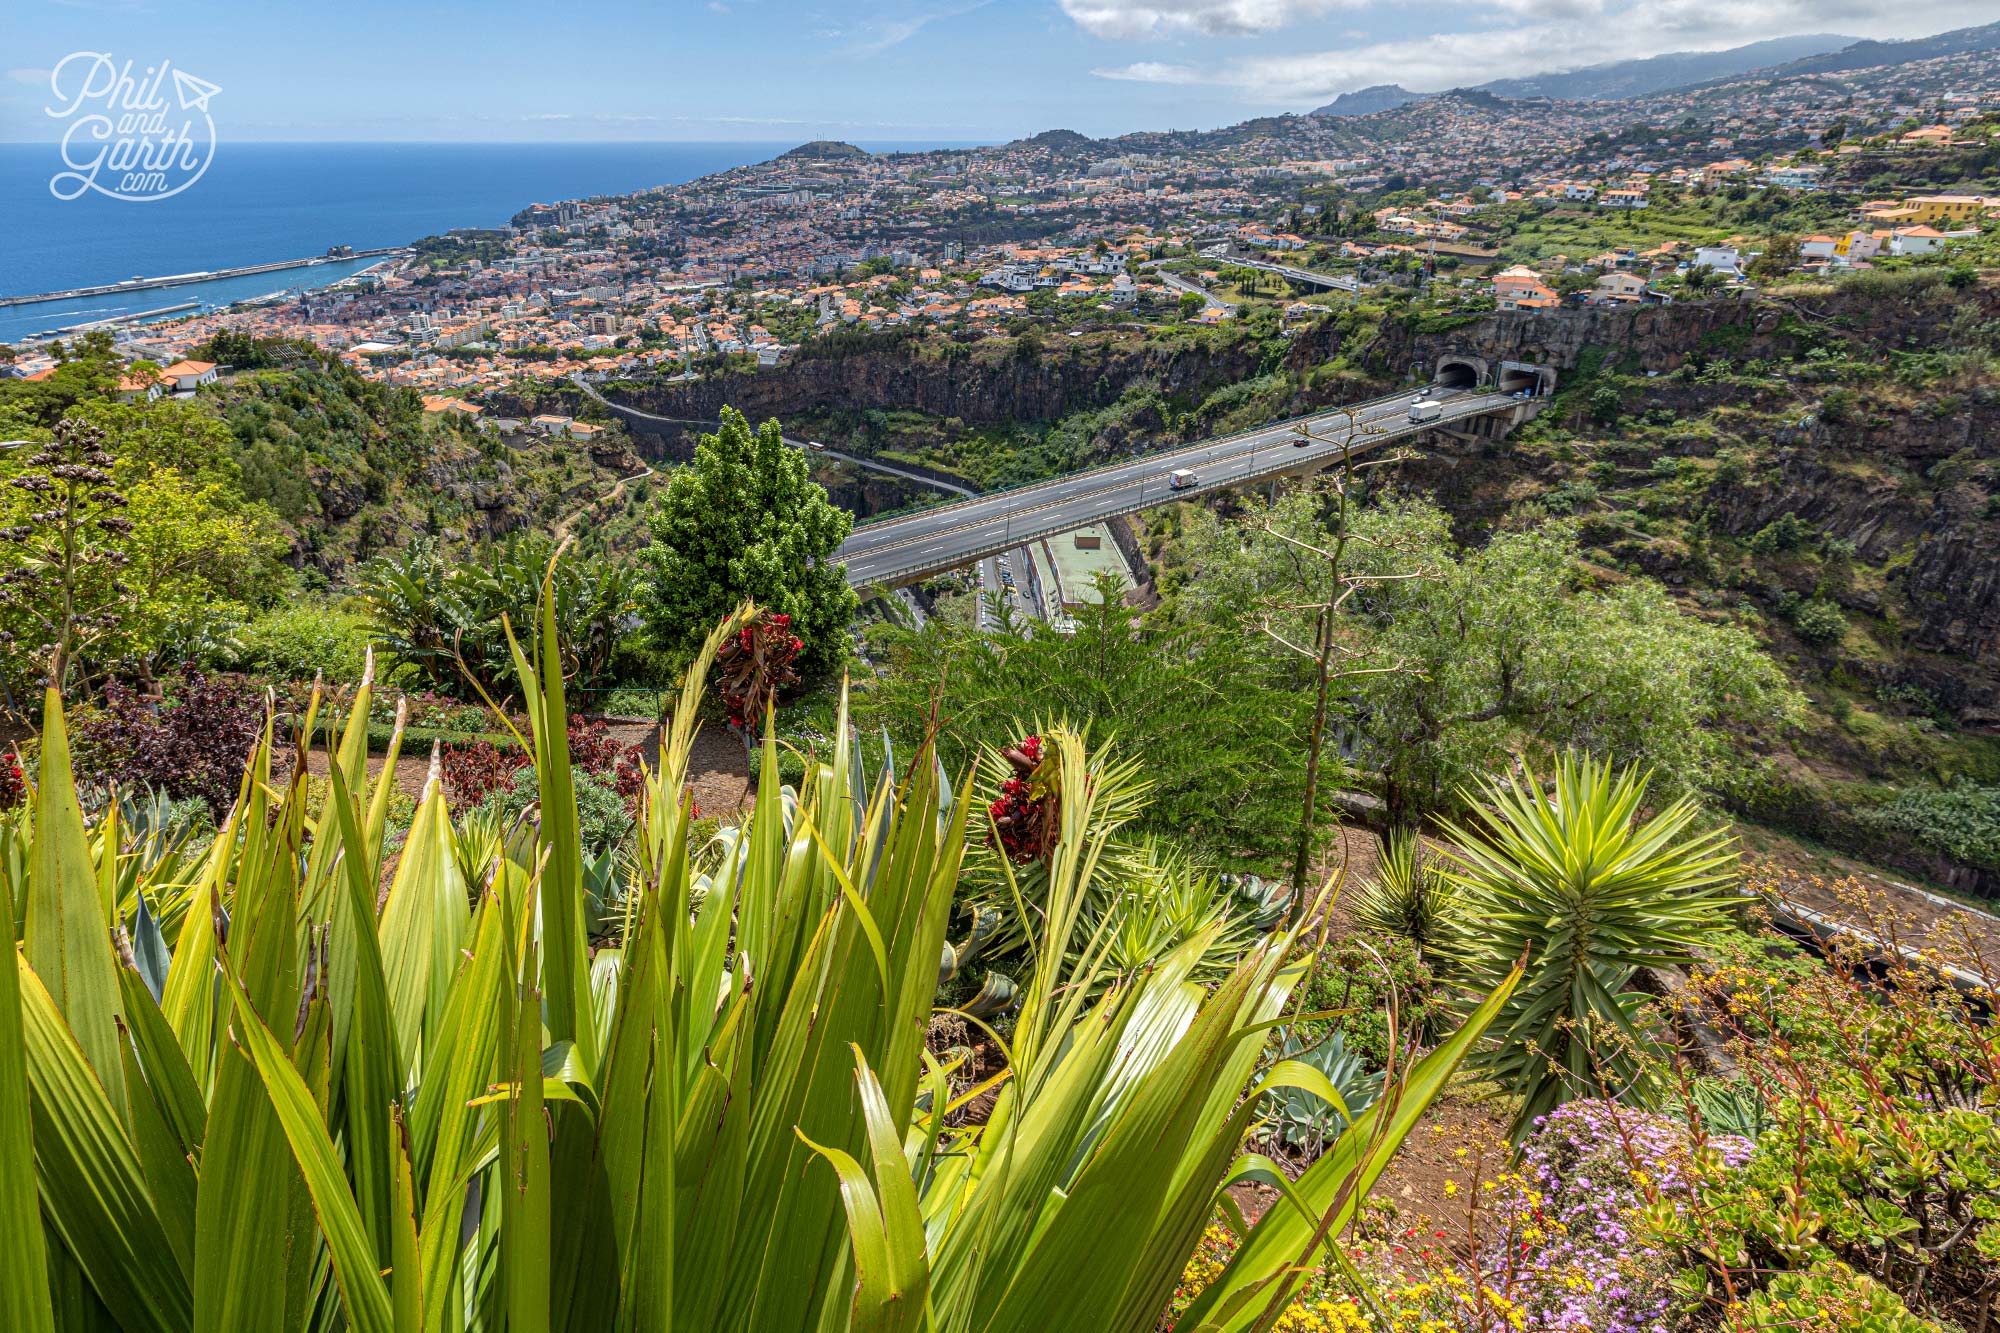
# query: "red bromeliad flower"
[13,783]
[755,664]
[1026,814]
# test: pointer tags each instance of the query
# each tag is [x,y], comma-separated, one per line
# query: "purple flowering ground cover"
[1591,1163]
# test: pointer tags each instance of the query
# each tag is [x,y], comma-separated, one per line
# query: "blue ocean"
[261,202]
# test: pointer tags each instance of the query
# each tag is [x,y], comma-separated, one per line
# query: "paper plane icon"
[194,93]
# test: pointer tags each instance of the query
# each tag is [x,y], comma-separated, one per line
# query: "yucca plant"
[440,1111]
[1575,883]
[1410,895]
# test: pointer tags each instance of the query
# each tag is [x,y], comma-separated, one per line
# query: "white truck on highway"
[1426,409]
[1180,479]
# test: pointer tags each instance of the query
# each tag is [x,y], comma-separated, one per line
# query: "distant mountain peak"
[1609,82]
[823,148]
[1869,54]
[1366,102]
[1676,69]
[1062,141]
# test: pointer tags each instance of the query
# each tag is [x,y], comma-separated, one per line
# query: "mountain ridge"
[1777,57]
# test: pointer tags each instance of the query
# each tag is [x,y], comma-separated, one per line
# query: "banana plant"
[432,1109]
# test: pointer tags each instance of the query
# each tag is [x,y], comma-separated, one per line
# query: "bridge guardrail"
[1041,531]
[890,515]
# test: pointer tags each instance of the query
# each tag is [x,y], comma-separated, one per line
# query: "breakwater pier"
[210,275]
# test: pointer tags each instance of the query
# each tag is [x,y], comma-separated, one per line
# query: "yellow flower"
[1450,1188]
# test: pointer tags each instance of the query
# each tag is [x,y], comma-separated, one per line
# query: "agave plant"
[1303,1118]
[1410,896]
[1572,881]
[444,1113]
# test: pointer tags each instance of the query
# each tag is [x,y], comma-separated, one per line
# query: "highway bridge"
[908,547]
[1305,277]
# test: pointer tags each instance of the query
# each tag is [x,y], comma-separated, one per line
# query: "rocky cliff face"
[1899,475]
[977,386]
[1885,486]
[1658,339]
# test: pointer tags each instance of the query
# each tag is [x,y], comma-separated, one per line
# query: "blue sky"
[772,70]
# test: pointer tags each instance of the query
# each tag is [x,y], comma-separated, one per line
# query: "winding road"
[629,414]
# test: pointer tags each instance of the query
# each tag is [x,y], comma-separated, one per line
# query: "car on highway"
[1301,441]
[816,445]
[1180,479]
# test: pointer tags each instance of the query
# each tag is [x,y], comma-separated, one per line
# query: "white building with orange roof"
[187,376]
[1917,240]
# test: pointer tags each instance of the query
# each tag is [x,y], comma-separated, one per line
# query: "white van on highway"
[1426,409]
[1180,479]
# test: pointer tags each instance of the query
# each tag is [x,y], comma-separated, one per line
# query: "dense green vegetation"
[709,1072]
[661,1143]
[709,1088]
[746,520]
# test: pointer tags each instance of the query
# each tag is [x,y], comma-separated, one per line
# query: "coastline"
[184,279]
[128,306]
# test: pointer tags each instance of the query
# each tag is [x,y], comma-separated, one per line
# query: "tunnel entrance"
[1458,373]
[1522,378]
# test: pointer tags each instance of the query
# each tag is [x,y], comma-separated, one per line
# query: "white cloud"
[1152,71]
[1551,9]
[1131,19]
[31,77]
[879,36]
[1560,35]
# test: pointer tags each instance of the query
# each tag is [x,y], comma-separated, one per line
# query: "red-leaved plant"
[474,772]
[193,744]
[1026,814]
[753,665]
[13,783]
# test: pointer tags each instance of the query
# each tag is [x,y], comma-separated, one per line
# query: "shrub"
[1962,821]
[473,772]
[294,642]
[592,747]
[443,615]
[1786,532]
[1574,881]
[1569,496]
[1819,620]
[791,769]
[1409,896]
[1880,1144]
[1358,977]
[193,745]
[602,820]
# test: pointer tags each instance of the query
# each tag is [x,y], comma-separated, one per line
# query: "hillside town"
[1435,196]
[1383,719]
